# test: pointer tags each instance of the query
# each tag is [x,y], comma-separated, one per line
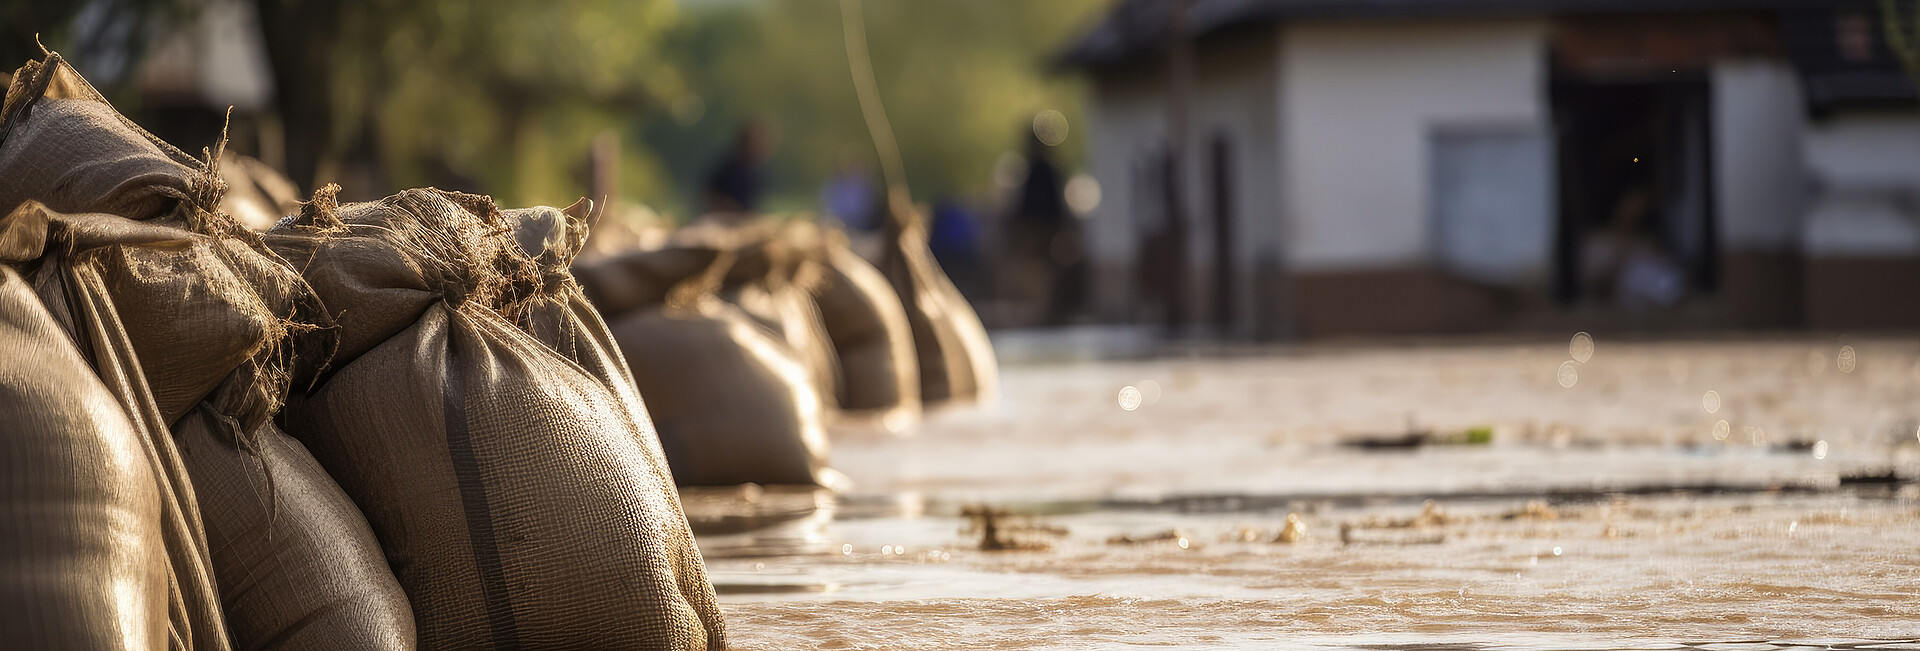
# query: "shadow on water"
[751,521]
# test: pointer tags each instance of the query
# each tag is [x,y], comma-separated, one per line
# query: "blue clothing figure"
[954,238]
[737,183]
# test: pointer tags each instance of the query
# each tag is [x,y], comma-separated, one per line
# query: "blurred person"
[736,184]
[1626,262]
[851,196]
[1044,243]
[954,238]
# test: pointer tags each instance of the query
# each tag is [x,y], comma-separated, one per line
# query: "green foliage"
[961,80]
[504,92]
[1903,34]
[505,96]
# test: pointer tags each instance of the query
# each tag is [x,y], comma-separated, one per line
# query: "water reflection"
[1663,542]
[753,521]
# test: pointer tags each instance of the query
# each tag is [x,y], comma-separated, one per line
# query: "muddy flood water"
[1743,494]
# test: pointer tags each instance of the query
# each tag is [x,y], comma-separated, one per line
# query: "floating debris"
[1174,535]
[1295,531]
[1534,510]
[997,531]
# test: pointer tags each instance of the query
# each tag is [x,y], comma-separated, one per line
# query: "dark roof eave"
[1109,44]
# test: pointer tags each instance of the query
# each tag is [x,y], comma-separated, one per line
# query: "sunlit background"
[1498,324]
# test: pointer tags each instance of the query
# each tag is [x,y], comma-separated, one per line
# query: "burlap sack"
[957,363]
[563,320]
[83,559]
[74,290]
[872,340]
[732,404]
[640,279]
[787,310]
[166,296]
[298,567]
[511,489]
[776,269]
[257,195]
[66,147]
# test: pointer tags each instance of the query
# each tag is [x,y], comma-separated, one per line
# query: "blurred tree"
[505,96]
[492,95]
[960,79]
[1903,34]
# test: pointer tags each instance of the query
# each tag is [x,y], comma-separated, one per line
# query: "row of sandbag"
[377,426]
[746,334]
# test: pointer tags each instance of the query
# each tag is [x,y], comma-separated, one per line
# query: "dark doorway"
[1636,218]
[1221,153]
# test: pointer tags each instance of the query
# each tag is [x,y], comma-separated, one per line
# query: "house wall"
[1862,225]
[1234,96]
[1759,120]
[1760,189]
[1360,104]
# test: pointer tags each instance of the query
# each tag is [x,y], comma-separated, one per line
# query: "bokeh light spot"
[1847,359]
[1711,402]
[1130,397]
[1050,127]
[1721,430]
[1581,347]
[1083,194]
[1569,374]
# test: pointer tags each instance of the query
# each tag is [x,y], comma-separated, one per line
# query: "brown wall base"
[1392,302]
[1757,291]
[1863,293]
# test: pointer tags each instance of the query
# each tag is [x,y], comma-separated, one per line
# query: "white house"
[1420,166]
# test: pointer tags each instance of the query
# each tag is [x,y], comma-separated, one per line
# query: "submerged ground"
[1720,494]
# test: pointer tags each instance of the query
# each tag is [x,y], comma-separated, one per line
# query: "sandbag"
[564,321]
[83,560]
[63,145]
[731,403]
[957,363]
[297,565]
[165,295]
[640,279]
[257,195]
[786,309]
[772,277]
[872,339]
[511,490]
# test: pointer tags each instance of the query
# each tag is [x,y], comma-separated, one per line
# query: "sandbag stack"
[872,339]
[872,347]
[519,493]
[159,300]
[957,363]
[733,401]
[418,434]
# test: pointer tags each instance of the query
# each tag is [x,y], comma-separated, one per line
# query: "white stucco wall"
[1358,101]
[1235,93]
[1125,123]
[1866,169]
[1759,120]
